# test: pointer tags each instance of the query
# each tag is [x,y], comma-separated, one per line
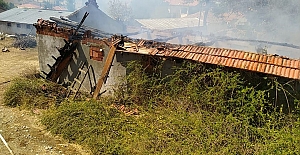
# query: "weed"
[31,92]
[196,110]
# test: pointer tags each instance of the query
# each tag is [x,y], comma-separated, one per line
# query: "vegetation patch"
[196,110]
[30,91]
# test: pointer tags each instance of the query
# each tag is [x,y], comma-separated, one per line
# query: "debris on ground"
[24,41]
[5,49]
[2,36]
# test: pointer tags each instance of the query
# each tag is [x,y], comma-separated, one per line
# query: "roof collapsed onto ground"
[262,63]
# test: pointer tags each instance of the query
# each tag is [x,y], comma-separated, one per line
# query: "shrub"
[196,110]
[29,93]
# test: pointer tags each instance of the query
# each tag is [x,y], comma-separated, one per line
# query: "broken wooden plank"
[105,71]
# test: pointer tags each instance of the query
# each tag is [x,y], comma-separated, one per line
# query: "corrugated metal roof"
[29,16]
[170,23]
[268,64]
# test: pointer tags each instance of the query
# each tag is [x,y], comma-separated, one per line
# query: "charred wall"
[47,50]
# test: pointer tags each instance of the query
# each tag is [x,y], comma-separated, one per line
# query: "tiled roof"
[268,64]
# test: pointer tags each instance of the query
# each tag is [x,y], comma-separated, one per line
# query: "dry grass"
[16,61]
[206,111]
[7,42]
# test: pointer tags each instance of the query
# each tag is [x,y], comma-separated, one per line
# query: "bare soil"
[22,129]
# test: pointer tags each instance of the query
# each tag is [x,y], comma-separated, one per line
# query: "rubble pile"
[24,42]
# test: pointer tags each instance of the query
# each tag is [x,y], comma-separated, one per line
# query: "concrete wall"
[17,28]
[46,49]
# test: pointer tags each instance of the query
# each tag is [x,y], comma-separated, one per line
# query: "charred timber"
[66,53]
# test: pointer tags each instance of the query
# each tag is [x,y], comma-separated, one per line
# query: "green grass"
[167,131]
[26,92]
[195,110]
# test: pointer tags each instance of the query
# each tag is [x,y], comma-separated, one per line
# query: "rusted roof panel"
[196,57]
[287,72]
[141,43]
[269,64]
[296,75]
[153,52]
[190,56]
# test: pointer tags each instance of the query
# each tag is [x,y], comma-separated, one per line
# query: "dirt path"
[22,129]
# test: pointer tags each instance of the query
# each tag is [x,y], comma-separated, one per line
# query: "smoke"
[275,21]
[266,20]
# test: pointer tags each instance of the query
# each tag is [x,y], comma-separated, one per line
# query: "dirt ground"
[20,128]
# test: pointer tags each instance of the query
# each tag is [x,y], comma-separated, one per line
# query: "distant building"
[169,27]
[29,6]
[59,8]
[179,8]
[20,21]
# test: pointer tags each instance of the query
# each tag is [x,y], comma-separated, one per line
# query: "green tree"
[6,6]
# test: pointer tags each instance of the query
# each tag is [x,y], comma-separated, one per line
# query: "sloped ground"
[20,128]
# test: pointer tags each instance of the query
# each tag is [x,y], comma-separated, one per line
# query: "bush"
[165,131]
[193,111]
[29,93]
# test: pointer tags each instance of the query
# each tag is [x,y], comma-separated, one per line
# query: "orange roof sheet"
[269,64]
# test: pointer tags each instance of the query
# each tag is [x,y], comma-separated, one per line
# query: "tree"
[6,6]
[119,11]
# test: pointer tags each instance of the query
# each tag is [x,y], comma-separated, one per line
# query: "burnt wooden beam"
[66,54]
[61,63]
[105,70]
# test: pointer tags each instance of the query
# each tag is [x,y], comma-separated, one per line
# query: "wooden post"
[105,71]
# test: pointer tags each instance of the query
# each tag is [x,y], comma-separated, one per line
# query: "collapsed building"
[70,56]
[77,52]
